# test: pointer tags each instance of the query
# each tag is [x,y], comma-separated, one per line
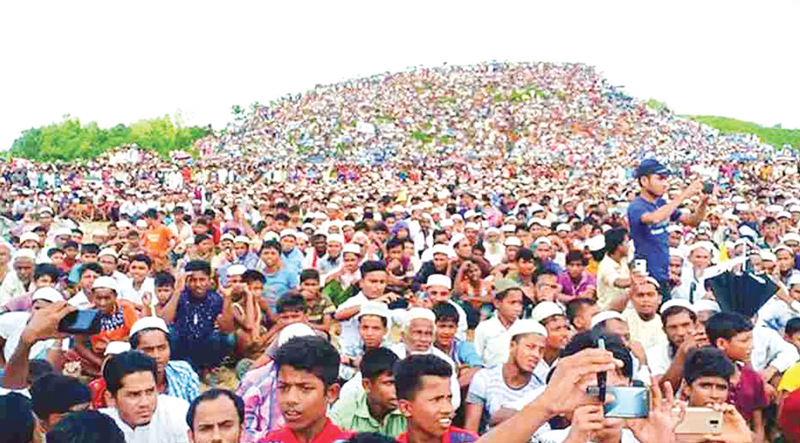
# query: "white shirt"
[348,336]
[491,342]
[658,359]
[769,349]
[12,324]
[168,424]
[134,295]
[12,287]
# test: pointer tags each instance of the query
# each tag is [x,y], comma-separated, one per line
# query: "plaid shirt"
[261,412]
[182,381]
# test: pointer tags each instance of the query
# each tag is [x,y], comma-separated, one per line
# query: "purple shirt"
[571,288]
[748,395]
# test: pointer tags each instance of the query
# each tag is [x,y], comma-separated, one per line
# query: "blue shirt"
[182,381]
[277,284]
[293,261]
[249,261]
[464,353]
[651,241]
[195,318]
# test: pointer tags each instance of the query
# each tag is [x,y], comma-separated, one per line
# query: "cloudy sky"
[117,62]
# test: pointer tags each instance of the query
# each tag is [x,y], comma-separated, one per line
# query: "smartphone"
[708,188]
[629,401]
[700,421]
[83,322]
[640,266]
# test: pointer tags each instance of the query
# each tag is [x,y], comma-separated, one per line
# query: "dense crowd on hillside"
[449,254]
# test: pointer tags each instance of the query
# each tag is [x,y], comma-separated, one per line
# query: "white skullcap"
[105,282]
[439,280]
[30,236]
[606,315]
[241,239]
[417,313]
[150,322]
[25,253]
[117,347]
[676,302]
[107,252]
[47,294]
[513,241]
[352,248]
[338,238]
[706,305]
[288,233]
[545,310]
[526,326]
[237,269]
[294,330]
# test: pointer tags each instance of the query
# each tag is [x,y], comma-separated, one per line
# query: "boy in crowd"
[308,368]
[424,397]
[319,308]
[462,352]
[508,302]
[580,312]
[373,285]
[375,409]
[732,333]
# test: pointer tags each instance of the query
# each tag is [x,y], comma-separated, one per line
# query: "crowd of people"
[488,243]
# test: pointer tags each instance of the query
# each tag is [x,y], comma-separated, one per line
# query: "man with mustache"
[424,397]
[494,387]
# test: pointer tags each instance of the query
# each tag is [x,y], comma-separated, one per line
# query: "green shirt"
[352,414]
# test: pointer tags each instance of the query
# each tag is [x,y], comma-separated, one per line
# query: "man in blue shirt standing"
[649,215]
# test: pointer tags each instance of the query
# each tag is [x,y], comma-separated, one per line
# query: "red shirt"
[330,434]
[453,435]
[98,388]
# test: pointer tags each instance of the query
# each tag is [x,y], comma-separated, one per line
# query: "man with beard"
[174,378]
[692,281]
[333,256]
[495,250]
[495,387]
[118,317]
[645,326]
[424,399]
[18,282]
[417,338]
[141,413]
[680,325]
[375,409]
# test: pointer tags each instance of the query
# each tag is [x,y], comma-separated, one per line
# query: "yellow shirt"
[648,333]
[791,379]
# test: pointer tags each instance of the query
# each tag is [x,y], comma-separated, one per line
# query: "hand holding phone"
[84,322]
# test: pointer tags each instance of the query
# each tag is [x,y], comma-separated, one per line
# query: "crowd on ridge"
[396,294]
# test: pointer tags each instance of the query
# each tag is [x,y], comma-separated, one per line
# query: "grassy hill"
[775,136]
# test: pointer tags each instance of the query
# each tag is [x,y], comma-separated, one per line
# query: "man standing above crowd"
[649,214]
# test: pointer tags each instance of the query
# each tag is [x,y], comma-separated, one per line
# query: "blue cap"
[650,166]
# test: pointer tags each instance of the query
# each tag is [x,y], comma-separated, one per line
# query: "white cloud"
[117,62]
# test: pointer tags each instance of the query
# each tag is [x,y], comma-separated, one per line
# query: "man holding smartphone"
[649,214]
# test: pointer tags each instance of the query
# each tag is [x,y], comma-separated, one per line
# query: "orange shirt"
[117,326]
[156,240]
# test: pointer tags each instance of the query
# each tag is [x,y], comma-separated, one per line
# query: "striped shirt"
[489,389]
[182,381]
